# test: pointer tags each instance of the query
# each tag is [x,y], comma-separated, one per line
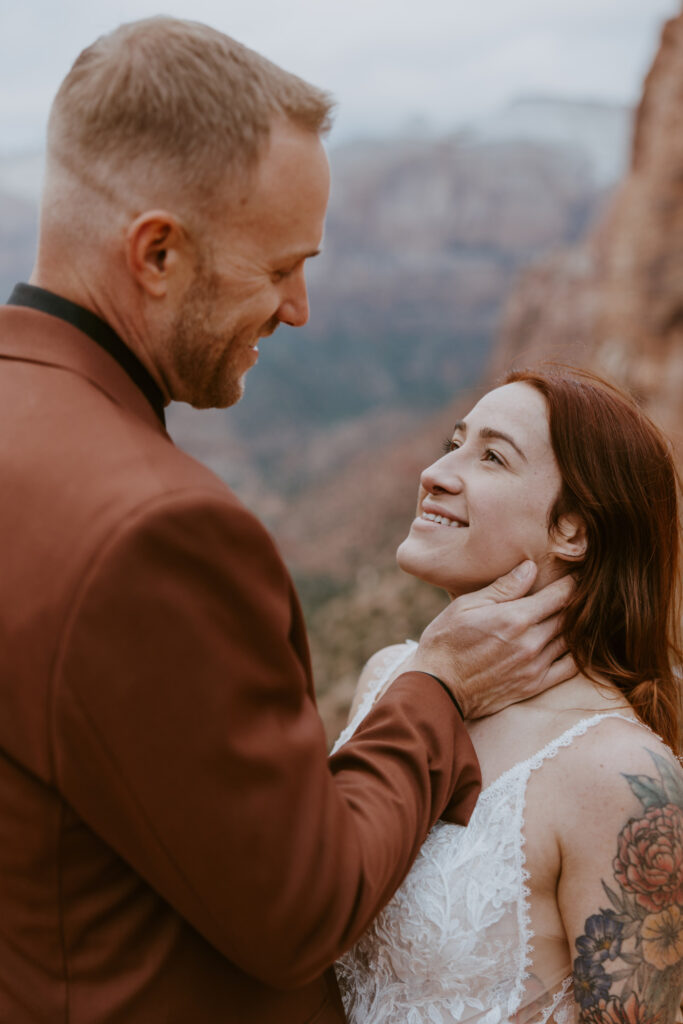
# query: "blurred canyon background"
[552,230]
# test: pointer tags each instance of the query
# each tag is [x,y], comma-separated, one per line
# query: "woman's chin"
[407,566]
[410,562]
[413,562]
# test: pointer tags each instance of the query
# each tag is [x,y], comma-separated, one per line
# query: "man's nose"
[293,309]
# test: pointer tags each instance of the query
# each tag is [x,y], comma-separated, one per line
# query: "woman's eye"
[449,445]
[491,456]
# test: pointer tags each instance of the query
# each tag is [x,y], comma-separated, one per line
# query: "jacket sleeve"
[185,734]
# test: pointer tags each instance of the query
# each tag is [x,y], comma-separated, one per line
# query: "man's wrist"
[447,689]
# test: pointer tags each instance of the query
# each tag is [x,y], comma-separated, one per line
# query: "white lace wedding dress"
[455,942]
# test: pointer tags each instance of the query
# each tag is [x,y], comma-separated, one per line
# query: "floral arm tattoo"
[629,968]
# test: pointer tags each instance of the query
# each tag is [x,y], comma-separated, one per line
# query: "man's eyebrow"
[488,433]
[296,257]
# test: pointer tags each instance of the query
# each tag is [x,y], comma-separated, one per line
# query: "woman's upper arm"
[621,886]
[376,664]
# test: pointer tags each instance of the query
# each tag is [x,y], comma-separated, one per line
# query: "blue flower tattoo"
[591,984]
[602,939]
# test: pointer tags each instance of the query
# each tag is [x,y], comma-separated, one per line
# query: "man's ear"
[568,538]
[158,252]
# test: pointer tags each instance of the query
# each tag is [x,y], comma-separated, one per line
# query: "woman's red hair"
[618,474]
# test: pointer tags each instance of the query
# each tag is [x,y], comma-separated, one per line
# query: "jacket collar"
[31,336]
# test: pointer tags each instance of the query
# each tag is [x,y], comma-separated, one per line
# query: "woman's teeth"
[441,519]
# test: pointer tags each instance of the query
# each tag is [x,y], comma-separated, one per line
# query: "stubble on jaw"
[205,356]
[201,357]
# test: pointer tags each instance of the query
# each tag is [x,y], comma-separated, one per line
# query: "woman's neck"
[580,694]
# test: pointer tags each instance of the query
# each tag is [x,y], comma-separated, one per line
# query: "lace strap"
[579,729]
[551,749]
[381,676]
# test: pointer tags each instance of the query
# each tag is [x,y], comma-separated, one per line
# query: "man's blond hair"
[174,100]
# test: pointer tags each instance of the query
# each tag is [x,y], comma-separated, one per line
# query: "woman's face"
[483,507]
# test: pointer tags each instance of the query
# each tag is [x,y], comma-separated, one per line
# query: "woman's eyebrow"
[488,433]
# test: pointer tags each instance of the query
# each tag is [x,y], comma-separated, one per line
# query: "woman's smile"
[484,506]
[433,513]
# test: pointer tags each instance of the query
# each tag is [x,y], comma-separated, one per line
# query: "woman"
[572,864]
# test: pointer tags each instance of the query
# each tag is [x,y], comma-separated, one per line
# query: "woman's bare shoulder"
[376,664]
[381,659]
[614,768]
[619,741]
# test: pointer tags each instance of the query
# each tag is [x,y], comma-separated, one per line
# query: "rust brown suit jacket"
[175,846]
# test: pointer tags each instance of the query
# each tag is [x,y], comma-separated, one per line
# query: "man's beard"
[202,357]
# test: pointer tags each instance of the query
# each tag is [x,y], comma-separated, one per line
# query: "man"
[175,845]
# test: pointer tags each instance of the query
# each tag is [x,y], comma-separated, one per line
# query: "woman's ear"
[568,538]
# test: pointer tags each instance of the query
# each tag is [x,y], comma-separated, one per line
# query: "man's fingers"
[513,585]
[500,644]
[548,602]
[548,674]
[545,632]
[560,671]
[553,650]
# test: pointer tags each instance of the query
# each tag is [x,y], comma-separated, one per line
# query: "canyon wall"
[615,302]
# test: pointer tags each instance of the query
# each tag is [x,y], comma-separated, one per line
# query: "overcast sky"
[387,61]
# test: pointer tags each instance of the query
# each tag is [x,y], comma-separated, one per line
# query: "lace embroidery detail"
[455,942]
[561,1006]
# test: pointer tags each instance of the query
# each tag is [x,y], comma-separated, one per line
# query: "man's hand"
[496,647]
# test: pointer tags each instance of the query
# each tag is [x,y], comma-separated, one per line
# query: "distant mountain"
[600,131]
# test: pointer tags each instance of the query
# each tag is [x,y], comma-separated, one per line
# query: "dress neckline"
[551,748]
[529,764]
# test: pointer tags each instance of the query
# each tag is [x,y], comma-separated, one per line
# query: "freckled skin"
[504,497]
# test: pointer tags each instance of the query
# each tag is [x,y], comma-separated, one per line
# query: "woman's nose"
[442,476]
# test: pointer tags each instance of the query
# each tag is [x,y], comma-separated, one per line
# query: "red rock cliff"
[616,302]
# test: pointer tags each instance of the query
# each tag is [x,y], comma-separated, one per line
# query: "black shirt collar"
[97,329]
